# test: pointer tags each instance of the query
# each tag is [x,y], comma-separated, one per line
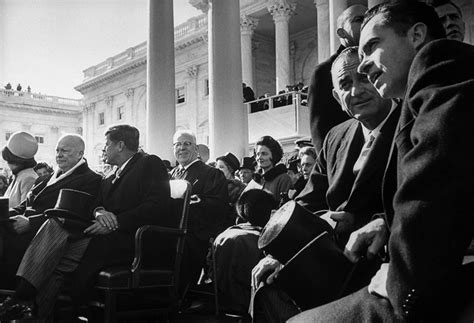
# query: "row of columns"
[230,63]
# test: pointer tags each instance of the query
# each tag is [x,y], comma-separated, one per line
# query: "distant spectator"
[294,171]
[451,18]
[248,93]
[28,89]
[245,172]
[8,86]
[280,100]
[307,158]
[18,87]
[42,169]
[167,165]
[3,184]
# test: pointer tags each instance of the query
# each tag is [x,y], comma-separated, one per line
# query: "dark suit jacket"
[431,219]
[140,196]
[206,217]
[433,222]
[332,184]
[324,111]
[41,198]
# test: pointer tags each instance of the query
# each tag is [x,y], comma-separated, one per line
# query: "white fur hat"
[22,144]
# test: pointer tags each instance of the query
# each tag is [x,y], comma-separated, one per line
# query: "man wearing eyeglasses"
[209,200]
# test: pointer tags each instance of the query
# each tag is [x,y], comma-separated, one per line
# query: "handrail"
[42,97]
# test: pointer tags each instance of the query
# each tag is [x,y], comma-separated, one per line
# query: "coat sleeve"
[433,221]
[155,197]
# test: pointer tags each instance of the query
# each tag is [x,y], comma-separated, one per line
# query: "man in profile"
[427,225]
[136,194]
[26,219]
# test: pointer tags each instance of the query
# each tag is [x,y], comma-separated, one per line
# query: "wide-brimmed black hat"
[3,209]
[248,163]
[73,204]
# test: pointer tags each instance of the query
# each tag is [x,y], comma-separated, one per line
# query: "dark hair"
[22,163]
[40,165]
[402,15]
[129,135]
[273,145]
[255,206]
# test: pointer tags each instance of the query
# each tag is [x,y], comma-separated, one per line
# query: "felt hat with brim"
[303,142]
[73,204]
[4,209]
[248,163]
[315,268]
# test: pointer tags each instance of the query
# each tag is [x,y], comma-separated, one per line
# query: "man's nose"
[363,67]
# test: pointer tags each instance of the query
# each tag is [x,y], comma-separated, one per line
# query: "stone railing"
[278,100]
[40,97]
[189,27]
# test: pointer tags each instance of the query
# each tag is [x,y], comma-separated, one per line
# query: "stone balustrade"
[39,99]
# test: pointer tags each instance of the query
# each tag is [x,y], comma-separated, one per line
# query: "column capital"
[89,107]
[320,3]
[281,10]
[193,71]
[202,5]
[248,24]
[129,92]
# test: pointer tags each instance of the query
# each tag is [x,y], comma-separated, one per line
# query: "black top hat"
[4,209]
[313,262]
[73,204]
[248,163]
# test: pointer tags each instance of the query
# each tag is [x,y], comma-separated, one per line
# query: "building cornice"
[40,109]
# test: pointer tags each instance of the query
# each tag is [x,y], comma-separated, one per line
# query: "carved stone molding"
[89,107]
[248,24]
[202,5]
[193,71]
[281,10]
[108,100]
[129,92]
[131,53]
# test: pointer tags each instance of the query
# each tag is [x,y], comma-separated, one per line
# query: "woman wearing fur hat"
[272,176]
[19,154]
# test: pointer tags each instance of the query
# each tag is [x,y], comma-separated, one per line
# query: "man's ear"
[341,33]
[418,35]
[336,96]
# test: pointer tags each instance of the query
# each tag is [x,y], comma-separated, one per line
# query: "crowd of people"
[380,191]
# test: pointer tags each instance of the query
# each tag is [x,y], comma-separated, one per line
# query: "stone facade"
[45,117]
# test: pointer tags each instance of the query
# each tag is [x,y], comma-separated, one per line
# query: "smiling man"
[209,202]
[430,225]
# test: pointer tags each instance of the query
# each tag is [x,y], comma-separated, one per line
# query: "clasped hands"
[105,222]
[367,241]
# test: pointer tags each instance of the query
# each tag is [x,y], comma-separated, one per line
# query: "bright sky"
[46,44]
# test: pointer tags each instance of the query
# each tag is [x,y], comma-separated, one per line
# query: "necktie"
[117,175]
[180,173]
[363,155]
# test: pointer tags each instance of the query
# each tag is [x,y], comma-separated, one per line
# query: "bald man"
[25,219]
[324,110]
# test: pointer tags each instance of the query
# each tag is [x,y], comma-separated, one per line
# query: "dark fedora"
[73,204]
[4,209]
[315,269]
[248,163]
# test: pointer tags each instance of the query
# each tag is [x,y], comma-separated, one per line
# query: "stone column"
[193,72]
[129,94]
[247,27]
[336,7]
[324,48]
[282,10]
[228,129]
[161,109]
